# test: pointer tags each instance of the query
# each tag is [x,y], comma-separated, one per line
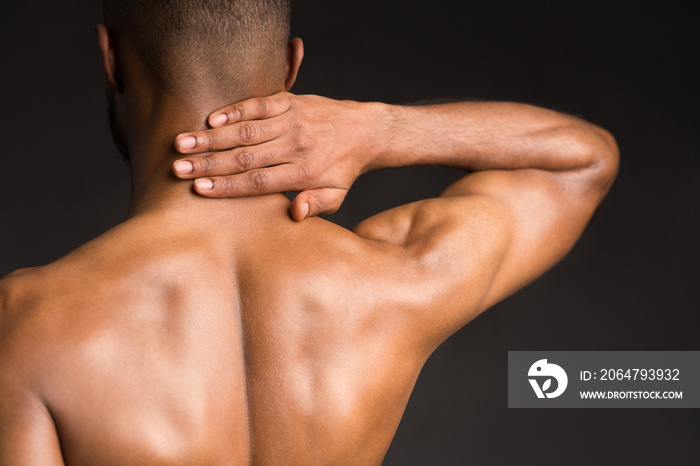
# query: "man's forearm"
[485,136]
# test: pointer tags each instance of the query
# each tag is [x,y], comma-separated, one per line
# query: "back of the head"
[195,46]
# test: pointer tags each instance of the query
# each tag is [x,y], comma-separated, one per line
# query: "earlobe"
[295,54]
[109,59]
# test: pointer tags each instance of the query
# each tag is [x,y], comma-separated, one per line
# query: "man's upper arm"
[27,432]
[489,234]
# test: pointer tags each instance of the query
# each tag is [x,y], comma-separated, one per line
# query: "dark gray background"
[626,286]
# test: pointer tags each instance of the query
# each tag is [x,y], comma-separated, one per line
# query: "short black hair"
[178,39]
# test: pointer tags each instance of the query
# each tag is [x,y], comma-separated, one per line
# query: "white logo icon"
[542,369]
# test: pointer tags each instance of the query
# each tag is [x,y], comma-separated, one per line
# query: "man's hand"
[280,143]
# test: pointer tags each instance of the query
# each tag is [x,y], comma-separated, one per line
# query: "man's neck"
[153,185]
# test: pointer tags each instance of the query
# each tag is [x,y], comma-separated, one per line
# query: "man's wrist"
[378,123]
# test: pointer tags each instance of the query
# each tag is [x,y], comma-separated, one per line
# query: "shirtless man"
[225,331]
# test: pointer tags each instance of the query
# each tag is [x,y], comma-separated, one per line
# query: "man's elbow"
[606,161]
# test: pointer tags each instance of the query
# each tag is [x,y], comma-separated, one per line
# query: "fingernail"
[204,184]
[186,142]
[218,120]
[183,167]
[305,209]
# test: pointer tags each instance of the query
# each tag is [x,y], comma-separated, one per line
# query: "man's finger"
[277,179]
[245,133]
[252,109]
[230,162]
[317,201]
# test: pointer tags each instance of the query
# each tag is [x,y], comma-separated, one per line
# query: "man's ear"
[295,54]
[109,58]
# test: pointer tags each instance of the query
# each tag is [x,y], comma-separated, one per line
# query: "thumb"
[317,201]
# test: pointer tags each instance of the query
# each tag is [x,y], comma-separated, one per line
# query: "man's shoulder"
[16,290]
[321,263]
[21,302]
[33,303]
[21,294]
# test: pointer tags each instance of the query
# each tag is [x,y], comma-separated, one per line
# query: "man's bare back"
[230,331]
[145,349]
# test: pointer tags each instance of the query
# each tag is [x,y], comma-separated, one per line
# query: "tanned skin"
[227,331]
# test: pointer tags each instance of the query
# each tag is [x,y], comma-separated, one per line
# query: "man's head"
[200,53]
